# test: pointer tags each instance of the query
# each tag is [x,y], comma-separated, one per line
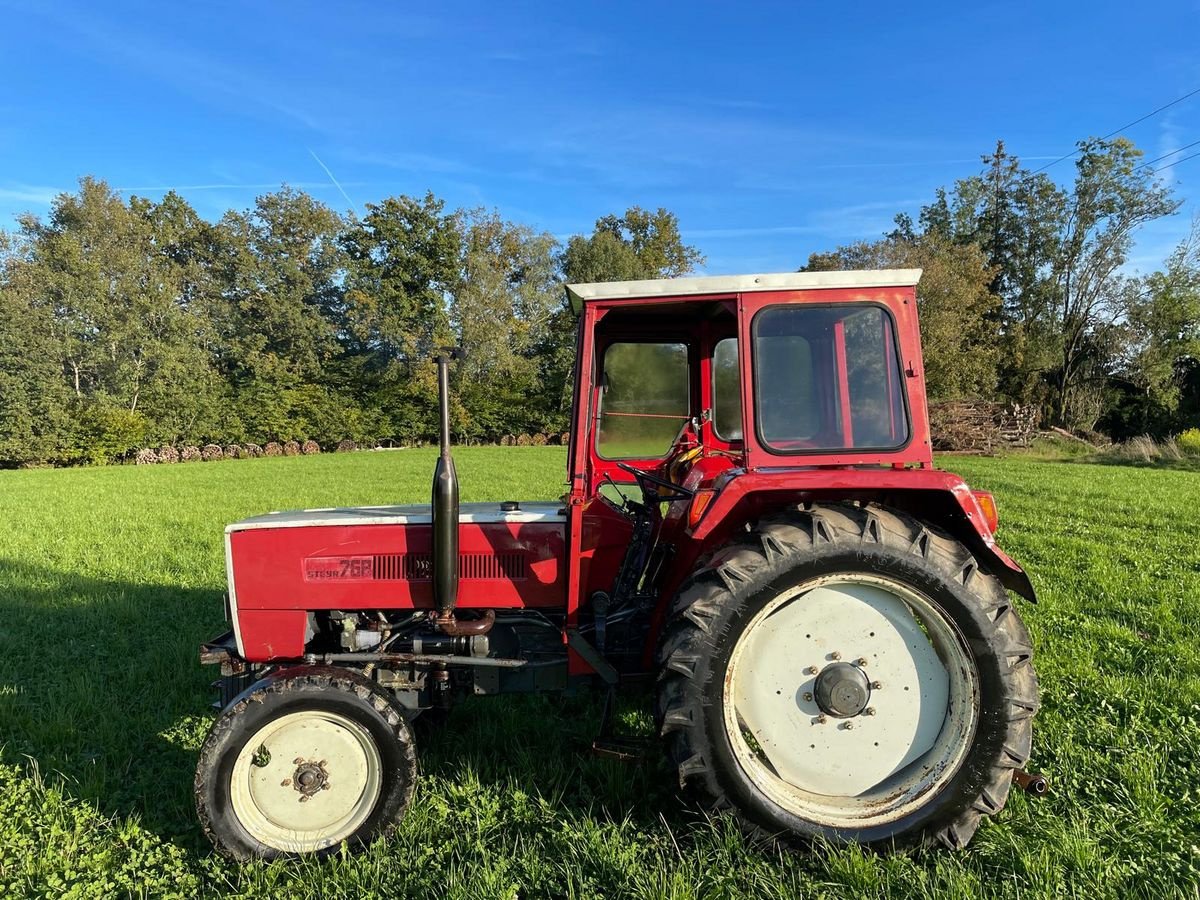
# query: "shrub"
[168,454]
[147,456]
[308,448]
[346,446]
[273,449]
[110,433]
[1189,442]
[539,440]
[291,448]
[191,454]
[211,453]
[254,451]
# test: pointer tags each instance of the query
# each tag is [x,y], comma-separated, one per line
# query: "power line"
[1122,128]
[1177,162]
[1165,155]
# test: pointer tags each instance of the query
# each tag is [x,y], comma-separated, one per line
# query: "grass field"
[109,579]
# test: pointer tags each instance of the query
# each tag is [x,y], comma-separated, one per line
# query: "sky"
[772,130]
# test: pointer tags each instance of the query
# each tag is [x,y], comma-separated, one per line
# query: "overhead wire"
[1177,162]
[1165,155]
[1122,128]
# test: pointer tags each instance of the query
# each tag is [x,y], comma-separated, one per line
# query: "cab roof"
[578,294]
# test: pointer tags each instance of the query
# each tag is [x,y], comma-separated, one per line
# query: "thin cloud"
[43,196]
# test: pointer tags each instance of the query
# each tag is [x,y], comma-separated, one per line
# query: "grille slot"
[471,567]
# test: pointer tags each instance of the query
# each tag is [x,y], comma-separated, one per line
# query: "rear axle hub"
[842,690]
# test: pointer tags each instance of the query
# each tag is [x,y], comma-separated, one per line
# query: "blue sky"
[772,129]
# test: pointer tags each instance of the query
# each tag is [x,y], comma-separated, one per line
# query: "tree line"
[127,322]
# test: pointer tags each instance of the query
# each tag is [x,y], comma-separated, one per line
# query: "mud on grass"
[110,578]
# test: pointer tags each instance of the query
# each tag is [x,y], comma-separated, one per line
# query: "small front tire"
[303,762]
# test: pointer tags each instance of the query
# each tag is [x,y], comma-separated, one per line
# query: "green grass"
[109,579]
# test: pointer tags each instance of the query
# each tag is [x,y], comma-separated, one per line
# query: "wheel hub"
[309,778]
[842,690]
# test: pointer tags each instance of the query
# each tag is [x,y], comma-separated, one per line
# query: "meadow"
[111,577]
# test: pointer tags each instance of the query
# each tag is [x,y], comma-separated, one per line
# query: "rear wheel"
[302,763]
[849,674]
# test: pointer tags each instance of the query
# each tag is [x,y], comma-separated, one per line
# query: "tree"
[638,244]
[502,312]
[1057,255]
[280,270]
[1160,343]
[1112,198]
[404,262]
[34,422]
[1014,216]
[126,339]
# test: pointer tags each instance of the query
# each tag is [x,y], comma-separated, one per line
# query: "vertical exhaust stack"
[445,501]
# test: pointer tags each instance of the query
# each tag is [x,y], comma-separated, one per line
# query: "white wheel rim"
[306,781]
[895,755]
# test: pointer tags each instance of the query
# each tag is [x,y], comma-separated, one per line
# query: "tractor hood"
[409,514]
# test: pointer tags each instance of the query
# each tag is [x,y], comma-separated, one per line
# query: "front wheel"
[846,673]
[303,762]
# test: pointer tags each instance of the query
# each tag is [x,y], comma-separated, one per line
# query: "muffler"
[444,505]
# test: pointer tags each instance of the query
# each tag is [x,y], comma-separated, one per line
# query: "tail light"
[987,503]
[700,503]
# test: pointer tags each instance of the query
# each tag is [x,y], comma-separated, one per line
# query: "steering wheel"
[644,478]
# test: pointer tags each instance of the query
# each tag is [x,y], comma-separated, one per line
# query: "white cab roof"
[740,284]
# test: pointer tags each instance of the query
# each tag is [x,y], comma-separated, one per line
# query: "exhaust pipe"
[444,502]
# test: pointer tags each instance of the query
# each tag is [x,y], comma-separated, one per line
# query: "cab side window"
[644,399]
[727,391]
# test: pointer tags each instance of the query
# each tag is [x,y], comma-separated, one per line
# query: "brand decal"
[339,568]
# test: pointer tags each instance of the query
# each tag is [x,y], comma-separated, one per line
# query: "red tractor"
[753,522]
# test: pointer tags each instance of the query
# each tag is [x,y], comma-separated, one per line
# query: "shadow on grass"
[99,682]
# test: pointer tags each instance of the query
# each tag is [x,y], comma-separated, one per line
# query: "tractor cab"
[672,391]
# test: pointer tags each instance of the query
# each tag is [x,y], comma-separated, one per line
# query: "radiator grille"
[471,567]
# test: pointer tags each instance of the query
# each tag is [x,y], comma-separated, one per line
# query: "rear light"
[987,503]
[700,503]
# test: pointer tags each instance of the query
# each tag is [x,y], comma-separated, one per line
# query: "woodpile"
[980,426]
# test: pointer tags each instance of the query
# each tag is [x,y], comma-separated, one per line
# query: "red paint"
[842,373]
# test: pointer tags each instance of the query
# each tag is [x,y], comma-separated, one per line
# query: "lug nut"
[807,696]
[862,661]
[811,670]
[820,720]
[870,710]
[835,655]
[847,725]
[876,685]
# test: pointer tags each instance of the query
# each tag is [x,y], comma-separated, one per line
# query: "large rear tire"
[846,673]
[303,762]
